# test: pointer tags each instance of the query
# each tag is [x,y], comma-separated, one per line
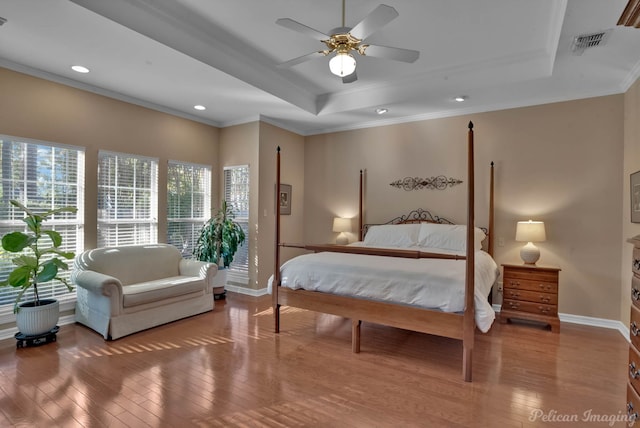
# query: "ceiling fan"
[344,40]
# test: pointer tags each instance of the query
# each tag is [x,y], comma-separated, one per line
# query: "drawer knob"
[543,310]
[515,283]
[633,416]
[544,299]
[514,294]
[633,373]
[634,328]
[635,294]
[514,305]
[636,264]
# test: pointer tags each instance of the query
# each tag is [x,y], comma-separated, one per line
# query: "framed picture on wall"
[284,196]
[635,197]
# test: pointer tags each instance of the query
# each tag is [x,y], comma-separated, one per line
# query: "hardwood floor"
[227,368]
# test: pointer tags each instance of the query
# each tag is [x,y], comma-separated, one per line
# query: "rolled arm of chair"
[98,283]
[198,268]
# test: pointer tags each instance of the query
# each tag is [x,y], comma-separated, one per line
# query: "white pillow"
[392,235]
[448,236]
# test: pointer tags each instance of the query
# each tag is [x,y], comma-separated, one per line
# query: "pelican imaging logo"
[588,416]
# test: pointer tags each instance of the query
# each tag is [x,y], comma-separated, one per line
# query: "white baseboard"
[590,321]
[570,318]
[247,291]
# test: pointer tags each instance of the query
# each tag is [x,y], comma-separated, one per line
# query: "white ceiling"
[173,54]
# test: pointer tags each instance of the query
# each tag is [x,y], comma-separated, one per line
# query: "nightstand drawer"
[530,307]
[634,368]
[511,282]
[635,291]
[635,262]
[634,327]
[533,274]
[633,404]
[531,296]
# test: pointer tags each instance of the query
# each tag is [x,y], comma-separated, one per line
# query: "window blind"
[42,176]
[188,203]
[127,199]
[236,193]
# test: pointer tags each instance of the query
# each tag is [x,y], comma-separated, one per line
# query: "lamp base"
[342,239]
[530,254]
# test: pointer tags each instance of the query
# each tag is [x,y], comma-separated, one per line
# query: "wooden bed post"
[468,328]
[360,210]
[276,272]
[491,217]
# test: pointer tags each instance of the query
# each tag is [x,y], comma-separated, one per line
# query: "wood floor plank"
[228,368]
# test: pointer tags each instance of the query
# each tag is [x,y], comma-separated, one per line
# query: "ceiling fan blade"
[397,54]
[379,17]
[301,28]
[350,78]
[301,59]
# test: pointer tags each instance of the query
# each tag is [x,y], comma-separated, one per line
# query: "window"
[42,176]
[188,203]
[127,199]
[236,193]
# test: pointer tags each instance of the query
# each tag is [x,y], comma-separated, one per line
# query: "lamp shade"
[530,231]
[341,224]
[343,64]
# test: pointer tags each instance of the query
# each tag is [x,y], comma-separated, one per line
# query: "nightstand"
[530,292]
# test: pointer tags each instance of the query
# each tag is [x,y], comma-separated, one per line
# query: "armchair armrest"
[98,283]
[198,268]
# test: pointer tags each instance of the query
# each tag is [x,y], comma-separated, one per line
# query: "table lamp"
[342,225]
[530,232]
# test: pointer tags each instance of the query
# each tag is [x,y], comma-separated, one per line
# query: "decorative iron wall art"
[439,182]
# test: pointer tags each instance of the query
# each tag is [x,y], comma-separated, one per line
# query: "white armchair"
[122,290]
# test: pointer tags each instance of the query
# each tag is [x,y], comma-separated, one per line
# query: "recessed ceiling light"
[461,98]
[80,69]
[199,107]
[381,110]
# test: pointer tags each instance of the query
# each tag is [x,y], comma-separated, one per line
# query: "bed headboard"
[415,216]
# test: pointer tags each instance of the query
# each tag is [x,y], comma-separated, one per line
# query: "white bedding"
[427,283]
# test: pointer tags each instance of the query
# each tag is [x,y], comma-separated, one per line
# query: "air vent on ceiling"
[586,41]
[2,21]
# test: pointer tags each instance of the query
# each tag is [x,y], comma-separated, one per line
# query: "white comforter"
[427,283]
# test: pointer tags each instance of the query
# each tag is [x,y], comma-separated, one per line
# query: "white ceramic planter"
[219,282]
[34,320]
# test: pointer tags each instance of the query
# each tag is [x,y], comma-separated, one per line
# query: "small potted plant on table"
[39,260]
[218,242]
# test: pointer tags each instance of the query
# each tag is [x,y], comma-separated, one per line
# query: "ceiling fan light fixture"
[342,64]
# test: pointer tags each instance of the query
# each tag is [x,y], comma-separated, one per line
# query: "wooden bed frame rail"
[459,326]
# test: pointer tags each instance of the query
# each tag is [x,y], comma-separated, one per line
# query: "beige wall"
[239,146]
[292,167]
[631,165]
[559,163]
[42,110]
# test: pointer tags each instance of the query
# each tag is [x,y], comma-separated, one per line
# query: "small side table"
[530,292]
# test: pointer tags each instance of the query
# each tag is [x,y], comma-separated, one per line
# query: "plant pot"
[34,320]
[218,283]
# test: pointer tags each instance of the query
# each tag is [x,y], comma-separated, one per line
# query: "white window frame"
[198,214]
[151,221]
[239,275]
[59,291]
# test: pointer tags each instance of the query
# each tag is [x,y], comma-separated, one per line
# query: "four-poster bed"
[458,324]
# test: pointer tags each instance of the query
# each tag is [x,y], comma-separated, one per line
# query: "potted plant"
[218,242]
[39,261]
